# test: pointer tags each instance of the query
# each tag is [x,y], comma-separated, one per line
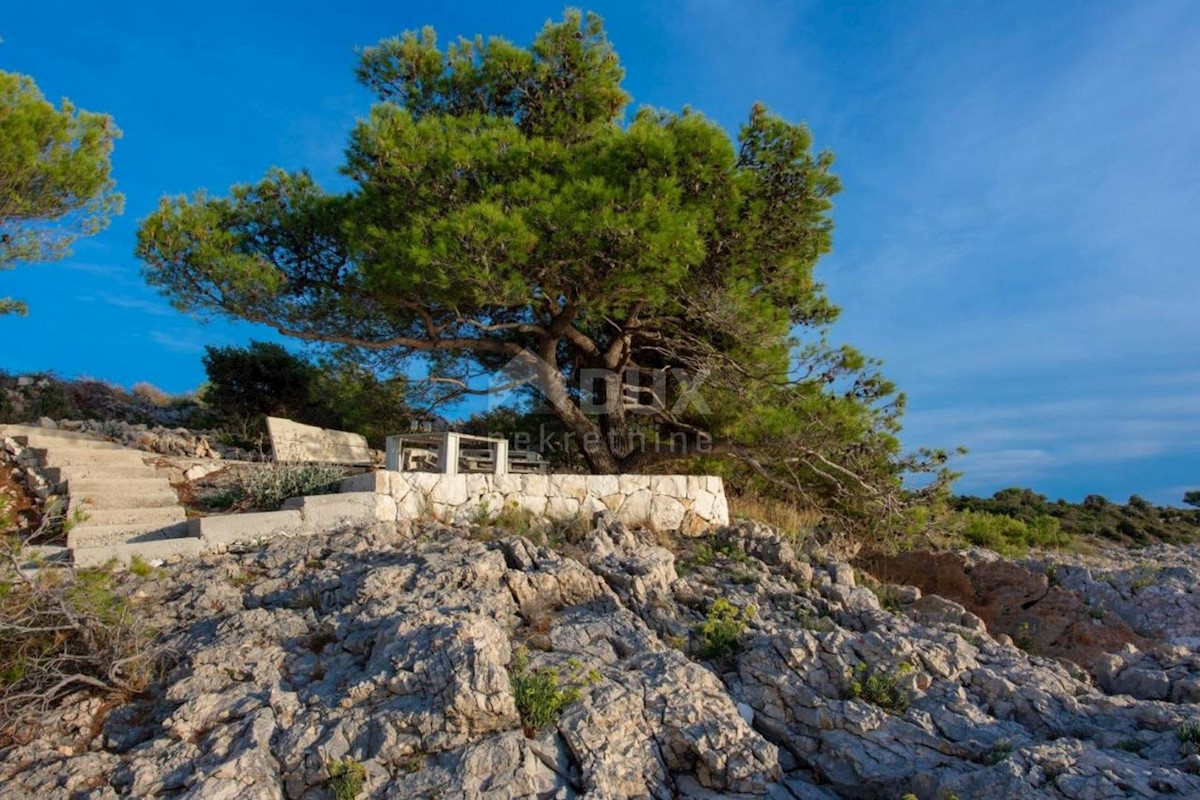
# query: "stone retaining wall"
[664,502]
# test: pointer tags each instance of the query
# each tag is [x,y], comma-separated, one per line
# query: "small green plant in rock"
[814,623]
[1135,746]
[743,578]
[347,778]
[140,567]
[999,751]
[542,694]
[1189,732]
[1023,638]
[721,632]
[878,688]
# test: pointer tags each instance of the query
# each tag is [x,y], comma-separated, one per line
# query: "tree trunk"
[586,430]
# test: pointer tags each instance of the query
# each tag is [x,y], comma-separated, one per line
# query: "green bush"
[878,688]
[347,778]
[721,632]
[542,694]
[64,629]
[265,489]
[1189,732]
[1008,535]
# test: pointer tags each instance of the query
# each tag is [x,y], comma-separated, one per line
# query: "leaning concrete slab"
[294,442]
[218,532]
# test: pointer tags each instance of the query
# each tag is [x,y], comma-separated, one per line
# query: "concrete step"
[38,555]
[133,516]
[15,430]
[80,456]
[97,501]
[99,472]
[108,535]
[51,442]
[149,550]
[96,486]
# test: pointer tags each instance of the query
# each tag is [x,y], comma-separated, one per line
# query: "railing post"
[395,446]
[448,454]
[501,457]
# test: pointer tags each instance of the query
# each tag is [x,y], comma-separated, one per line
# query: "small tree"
[262,379]
[1192,498]
[54,176]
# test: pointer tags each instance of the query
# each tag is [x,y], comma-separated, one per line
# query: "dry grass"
[786,517]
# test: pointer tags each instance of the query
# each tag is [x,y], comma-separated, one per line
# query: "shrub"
[786,517]
[265,489]
[999,751]
[64,629]
[263,379]
[347,778]
[151,394]
[1189,732]
[721,632]
[542,694]
[878,688]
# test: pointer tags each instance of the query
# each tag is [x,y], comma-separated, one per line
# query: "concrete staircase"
[129,508]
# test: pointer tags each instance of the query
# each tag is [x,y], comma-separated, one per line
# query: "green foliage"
[1189,732]
[542,694]
[1136,522]
[262,379]
[502,206]
[877,687]
[140,567]
[815,624]
[62,630]
[1192,498]
[511,517]
[347,778]
[1007,535]
[55,165]
[266,488]
[999,751]
[721,632]
[1135,746]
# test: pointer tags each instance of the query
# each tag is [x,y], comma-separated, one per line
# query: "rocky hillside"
[429,661]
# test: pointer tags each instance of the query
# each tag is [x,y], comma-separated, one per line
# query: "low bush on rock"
[267,488]
[721,632]
[62,630]
[542,694]
[878,688]
[1189,732]
[347,778]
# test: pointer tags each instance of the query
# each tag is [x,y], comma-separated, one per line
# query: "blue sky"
[1017,239]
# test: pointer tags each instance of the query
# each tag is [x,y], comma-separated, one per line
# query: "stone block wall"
[665,502]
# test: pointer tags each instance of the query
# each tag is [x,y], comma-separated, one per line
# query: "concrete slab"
[75,456]
[292,442]
[99,472]
[106,535]
[133,516]
[83,486]
[160,497]
[216,532]
[185,546]
[379,481]
[328,512]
